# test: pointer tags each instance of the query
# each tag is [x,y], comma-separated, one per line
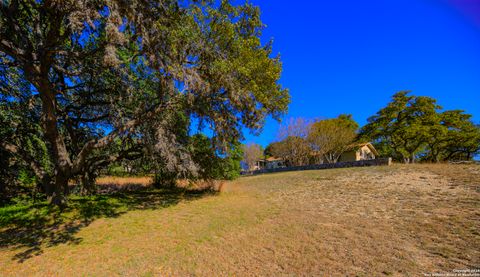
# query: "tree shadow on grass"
[31,228]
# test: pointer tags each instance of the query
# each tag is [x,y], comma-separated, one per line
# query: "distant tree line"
[410,128]
[302,141]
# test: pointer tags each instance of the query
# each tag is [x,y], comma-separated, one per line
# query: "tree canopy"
[330,138]
[414,127]
[97,81]
[307,141]
[292,143]
[252,152]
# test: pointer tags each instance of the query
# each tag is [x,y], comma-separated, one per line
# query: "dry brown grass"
[112,184]
[398,220]
[123,181]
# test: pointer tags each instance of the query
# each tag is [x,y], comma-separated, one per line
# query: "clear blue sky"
[350,56]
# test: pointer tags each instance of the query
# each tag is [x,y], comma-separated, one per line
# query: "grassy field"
[398,220]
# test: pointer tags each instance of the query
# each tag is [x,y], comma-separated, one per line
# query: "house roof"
[271,159]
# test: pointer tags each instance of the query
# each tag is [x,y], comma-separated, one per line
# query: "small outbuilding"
[270,163]
[359,152]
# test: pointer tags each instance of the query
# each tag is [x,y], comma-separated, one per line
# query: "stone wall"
[375,162]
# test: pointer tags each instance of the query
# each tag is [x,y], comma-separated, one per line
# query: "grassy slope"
[399,220]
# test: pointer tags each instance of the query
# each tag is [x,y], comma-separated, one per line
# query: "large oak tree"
[94,73]
[414,127]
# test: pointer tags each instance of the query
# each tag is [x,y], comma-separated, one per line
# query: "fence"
[375,162]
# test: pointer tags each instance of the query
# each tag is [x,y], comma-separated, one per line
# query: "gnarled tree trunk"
[57,189]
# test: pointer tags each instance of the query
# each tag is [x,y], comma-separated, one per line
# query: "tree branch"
[36,167]
[106,140]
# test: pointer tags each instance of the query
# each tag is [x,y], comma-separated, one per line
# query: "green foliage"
[454,137]
[347,121]
[116,170]
[26,179]
[141,70]
[330,138]
[231,164]
[21,167]
[210,164]
[412,127]
[213,165]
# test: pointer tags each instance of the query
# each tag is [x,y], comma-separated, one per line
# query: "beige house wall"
[367,153]
[351,156]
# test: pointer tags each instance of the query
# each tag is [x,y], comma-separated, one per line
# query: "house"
[270,163]
[359,152]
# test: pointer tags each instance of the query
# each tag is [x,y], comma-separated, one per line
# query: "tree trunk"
[88,182]
[58,188]
[59,191]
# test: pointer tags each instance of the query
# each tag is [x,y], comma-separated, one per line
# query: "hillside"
[397,220]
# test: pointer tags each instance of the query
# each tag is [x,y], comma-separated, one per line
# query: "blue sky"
[350,56]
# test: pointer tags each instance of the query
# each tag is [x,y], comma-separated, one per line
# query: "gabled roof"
[270,159]
[273,159]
